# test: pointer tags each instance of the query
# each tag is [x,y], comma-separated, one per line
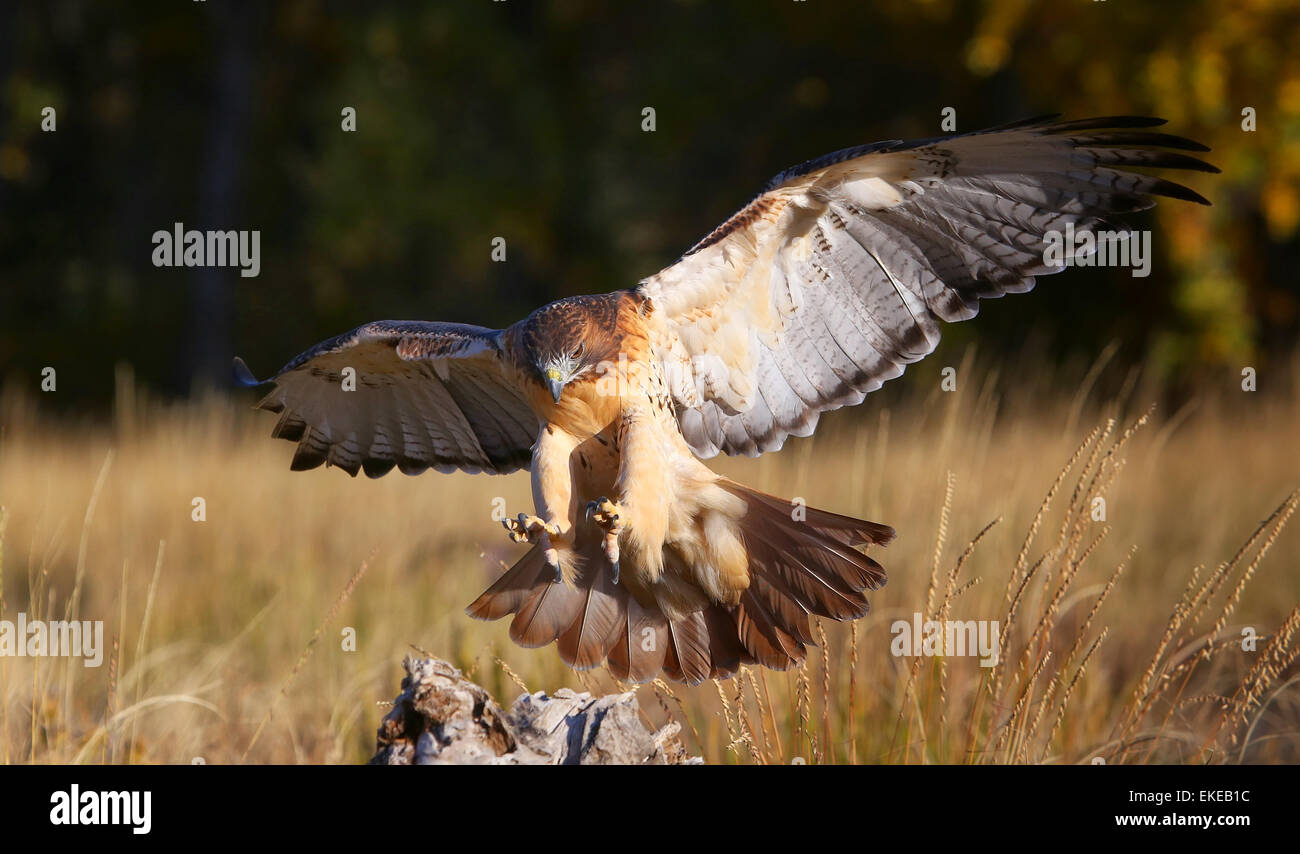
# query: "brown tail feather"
[513,589]
[638,654]
[800,566]
[819,552]
[726,652]
[784,604]
[585,616]
[797,569]
[763,635]
[819,593]
[688,658]
[846,529]
[546,614]
[619,660]
[603,613]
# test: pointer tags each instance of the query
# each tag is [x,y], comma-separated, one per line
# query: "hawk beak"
[556,383]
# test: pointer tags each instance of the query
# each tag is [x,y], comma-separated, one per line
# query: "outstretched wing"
[427,395]
[836,276]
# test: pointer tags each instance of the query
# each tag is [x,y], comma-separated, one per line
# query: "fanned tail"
[803,562]
[586,614]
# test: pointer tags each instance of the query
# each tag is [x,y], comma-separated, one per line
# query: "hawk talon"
[535,531]
[604,512]
[529,529]
[512,530]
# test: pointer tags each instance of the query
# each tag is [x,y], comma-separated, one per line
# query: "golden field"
[1121,639]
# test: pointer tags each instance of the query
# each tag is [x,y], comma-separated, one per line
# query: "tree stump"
[442,718]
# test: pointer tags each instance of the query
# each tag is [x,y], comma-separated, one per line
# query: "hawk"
[836,276]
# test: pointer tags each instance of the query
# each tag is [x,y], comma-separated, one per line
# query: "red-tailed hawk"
[827,284]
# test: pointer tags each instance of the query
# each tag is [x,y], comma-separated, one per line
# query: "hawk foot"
[605,514]
[535,531]
[528,529]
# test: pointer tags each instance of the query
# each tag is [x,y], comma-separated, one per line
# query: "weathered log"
[442,718]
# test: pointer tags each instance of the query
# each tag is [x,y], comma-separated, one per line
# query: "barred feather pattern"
[422,396]
[838,274]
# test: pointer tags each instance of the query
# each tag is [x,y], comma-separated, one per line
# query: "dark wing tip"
[1104,122]
[1177,191]
[1032,121]
[243,376]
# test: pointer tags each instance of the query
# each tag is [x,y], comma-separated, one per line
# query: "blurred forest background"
[523,120]
[480,119]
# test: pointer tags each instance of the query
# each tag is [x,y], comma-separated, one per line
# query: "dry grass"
[1120,639]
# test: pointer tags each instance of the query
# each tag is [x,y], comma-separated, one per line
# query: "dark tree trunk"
[220,186]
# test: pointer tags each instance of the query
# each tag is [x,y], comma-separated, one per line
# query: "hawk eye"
[578,351]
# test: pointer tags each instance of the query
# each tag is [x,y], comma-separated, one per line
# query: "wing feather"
[840,272]
[427,395]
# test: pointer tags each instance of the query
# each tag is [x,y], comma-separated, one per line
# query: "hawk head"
[570,338]
[558,369]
